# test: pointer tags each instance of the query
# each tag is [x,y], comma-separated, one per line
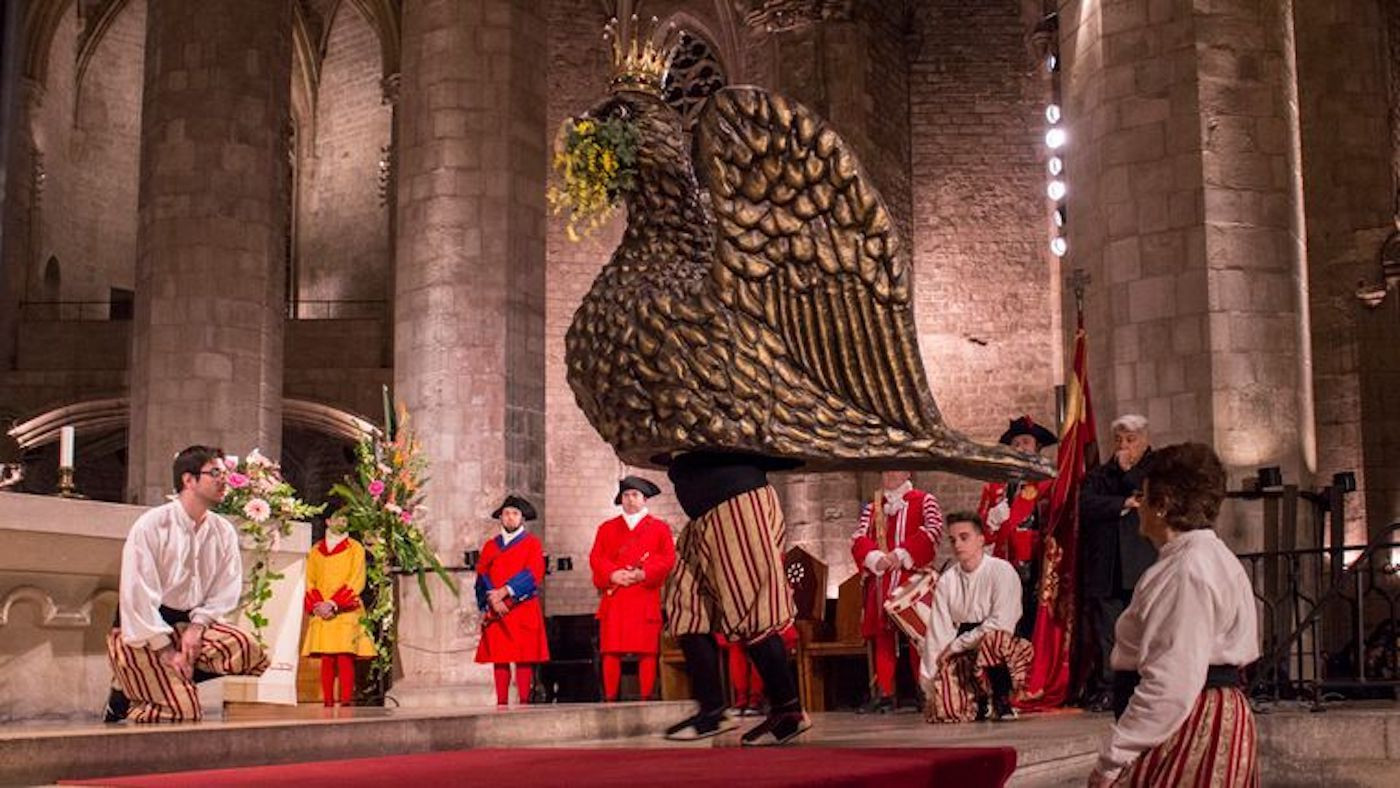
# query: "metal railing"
[74,311]
[1331,619]
[331,309]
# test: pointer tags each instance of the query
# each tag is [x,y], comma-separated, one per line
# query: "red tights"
[612,675]
[886,647]
[344,664]
[524,674]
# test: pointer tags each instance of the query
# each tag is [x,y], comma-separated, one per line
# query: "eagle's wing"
[805,246]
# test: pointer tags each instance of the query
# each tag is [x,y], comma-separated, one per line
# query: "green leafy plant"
[597,162]
[381,506]
[264,506]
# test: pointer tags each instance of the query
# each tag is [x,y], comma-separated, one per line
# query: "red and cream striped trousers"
[729,574]
[952,695]
[1216,747]
[159,694]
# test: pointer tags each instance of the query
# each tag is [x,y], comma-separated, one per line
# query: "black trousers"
[1102,614]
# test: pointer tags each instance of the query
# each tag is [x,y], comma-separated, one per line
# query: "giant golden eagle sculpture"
[759,301]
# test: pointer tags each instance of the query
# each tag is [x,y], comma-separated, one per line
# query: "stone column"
[211,245]
[20,196]
[1184,207]
[469,300]
[1349,101]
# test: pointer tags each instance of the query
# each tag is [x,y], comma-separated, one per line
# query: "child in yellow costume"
[335,576]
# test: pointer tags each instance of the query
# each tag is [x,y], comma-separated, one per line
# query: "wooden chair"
[821,642]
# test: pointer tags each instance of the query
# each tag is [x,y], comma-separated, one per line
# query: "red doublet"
[916,528]
[1004,542]
[630,616]
[519,636]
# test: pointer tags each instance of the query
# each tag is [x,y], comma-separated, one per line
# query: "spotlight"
[1059,246]
[1052,63]
[470,559]
[1054,138]
[1056,190]
[1344,481]
[1055,165]
[1060,216]
[1052,113]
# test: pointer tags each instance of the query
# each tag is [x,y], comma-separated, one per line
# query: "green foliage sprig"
[597,162]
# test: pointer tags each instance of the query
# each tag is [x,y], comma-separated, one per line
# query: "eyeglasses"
[217,473]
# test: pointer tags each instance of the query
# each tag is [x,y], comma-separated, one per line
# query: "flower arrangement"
[264,506]
[597,161]
[382,506]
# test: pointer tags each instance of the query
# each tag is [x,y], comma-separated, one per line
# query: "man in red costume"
[631,557]
[1011,516]
[898,533]
[508,576]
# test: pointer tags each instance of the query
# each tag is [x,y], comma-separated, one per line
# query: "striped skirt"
[160,694]
[729,574]
[1216,747]
[952,695]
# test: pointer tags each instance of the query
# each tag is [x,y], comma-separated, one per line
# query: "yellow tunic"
[339,576]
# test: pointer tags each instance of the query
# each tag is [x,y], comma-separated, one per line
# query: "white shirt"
[990,594]
[1192,609]
[169,560]
[633,519]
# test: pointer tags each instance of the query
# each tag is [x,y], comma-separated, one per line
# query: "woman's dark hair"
[1186,483]
[190,460]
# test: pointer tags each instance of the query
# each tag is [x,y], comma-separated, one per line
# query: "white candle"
[65,447]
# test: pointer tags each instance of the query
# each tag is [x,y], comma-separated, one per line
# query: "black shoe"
[880,704]
[701,726]
[1002,710]
[982,713]
[1100,703]
[117,706]
[779,728]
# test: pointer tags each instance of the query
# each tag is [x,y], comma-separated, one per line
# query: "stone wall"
[984,281]
[342,216]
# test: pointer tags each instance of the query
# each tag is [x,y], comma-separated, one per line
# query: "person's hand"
[498,605]
[886,563]
[174,659]
[191,641]
[1125,459]
[1132,502]
[997,515]
[621,577]
[324,610]
[1098,780]
[638,575]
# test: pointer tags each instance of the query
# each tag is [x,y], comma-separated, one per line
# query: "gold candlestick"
[65,483]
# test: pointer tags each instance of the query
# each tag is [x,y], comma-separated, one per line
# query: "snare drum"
[910,604]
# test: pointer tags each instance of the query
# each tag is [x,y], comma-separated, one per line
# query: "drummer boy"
[898,535]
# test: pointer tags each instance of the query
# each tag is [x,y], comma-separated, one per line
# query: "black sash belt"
[169,615]
[968,626]
[1125,681]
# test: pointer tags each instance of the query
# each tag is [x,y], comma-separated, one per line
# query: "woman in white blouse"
[1192,626]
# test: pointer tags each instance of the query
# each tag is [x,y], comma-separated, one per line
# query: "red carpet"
[667,767]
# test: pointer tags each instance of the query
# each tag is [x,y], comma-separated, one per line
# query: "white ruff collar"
[894,499]
[633,519]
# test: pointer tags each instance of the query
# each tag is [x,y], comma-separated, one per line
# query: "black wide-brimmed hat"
[1025,426]
[637,483]
[515,502]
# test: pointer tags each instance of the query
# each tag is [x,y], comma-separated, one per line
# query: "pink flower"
[376,488]
[237,480]
[231,463]
[257,510]
[407,517]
